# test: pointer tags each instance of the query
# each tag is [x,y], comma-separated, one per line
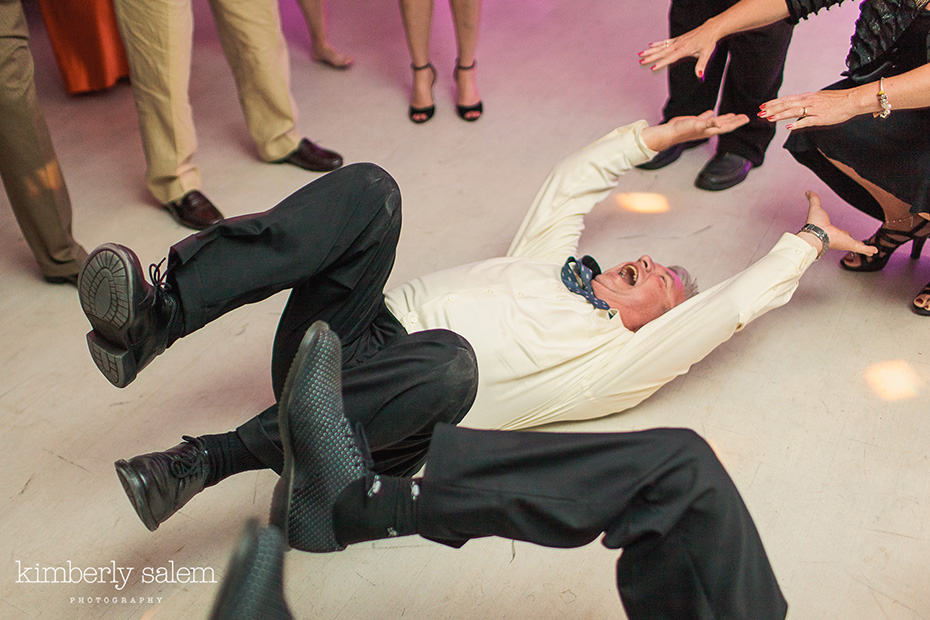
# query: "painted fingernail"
[761,113]
[789,127]
[652,68]
[762,106]
[701,75]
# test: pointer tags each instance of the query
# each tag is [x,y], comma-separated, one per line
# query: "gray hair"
[687,280]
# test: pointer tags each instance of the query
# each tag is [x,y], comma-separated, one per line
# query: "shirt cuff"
[638,127]
[798,247]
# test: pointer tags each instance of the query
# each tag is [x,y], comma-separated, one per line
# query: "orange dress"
[86,43]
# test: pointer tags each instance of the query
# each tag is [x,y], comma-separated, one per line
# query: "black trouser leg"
[398,395]
[333,243]
[322,237]
[757,63]
[690,548]
[753,76]
[687,94]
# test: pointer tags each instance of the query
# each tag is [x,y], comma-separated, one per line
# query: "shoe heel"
[116,364]
[917,247]
[134,490]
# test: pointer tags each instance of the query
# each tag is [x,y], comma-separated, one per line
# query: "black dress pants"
[754,75]
[690,548]
[332,243]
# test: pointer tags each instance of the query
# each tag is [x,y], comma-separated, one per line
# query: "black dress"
[893,153]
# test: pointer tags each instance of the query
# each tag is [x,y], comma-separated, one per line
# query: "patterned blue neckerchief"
[577,276]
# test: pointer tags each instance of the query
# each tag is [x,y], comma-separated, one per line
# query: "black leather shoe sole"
[135,491]
[109,278]
[321,454]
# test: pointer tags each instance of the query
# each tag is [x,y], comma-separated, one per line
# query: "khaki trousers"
[158,35]
[28,164]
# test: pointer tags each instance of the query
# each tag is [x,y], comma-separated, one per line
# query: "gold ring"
[667,43]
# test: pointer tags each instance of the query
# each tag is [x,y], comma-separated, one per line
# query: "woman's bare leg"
[417,16]
[898,216]
[315,16]
[466,15]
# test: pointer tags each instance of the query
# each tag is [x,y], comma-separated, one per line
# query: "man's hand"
[686,128]
[839,239]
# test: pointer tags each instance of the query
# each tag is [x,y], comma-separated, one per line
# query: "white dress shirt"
[546,354]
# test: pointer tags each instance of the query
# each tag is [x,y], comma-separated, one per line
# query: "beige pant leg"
[250,33]
[28,164]
[158,35]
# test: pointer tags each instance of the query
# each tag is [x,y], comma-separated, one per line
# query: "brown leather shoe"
[309,156]
[194,210]
[159,483]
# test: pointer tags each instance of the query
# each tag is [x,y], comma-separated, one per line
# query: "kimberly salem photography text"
[112,573]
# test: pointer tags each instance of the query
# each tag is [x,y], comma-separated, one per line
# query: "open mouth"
[629,274]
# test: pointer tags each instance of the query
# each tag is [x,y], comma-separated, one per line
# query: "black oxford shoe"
[309,156]
[132,320]
[669,155]
[723,171]
[194,210]
[322,456]
[159,483]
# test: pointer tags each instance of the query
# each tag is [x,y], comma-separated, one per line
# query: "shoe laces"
[159,279]
[191,461]
[163,299]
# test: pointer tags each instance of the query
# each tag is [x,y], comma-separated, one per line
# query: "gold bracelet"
[882,101]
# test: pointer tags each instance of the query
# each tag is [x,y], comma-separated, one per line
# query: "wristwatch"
[821,234]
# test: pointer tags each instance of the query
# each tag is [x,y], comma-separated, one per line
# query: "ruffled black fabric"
[880,24]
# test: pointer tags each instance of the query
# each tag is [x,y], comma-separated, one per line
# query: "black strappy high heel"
[887,241]
[429,110]
[464,110]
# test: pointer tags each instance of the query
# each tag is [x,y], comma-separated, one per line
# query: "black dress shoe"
[194,210]
[669,155]
[321,453]
[309,156]
[132,320]
[71,279]
[159,483]
[254,586]
[724,170]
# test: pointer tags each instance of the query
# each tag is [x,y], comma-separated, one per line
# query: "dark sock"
[227,455]
[376,507]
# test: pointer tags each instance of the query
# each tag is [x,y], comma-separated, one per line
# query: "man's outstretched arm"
[667,346]
[687,128]
[551,228]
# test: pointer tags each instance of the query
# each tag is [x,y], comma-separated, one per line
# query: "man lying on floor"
[555,338]
[690,548]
